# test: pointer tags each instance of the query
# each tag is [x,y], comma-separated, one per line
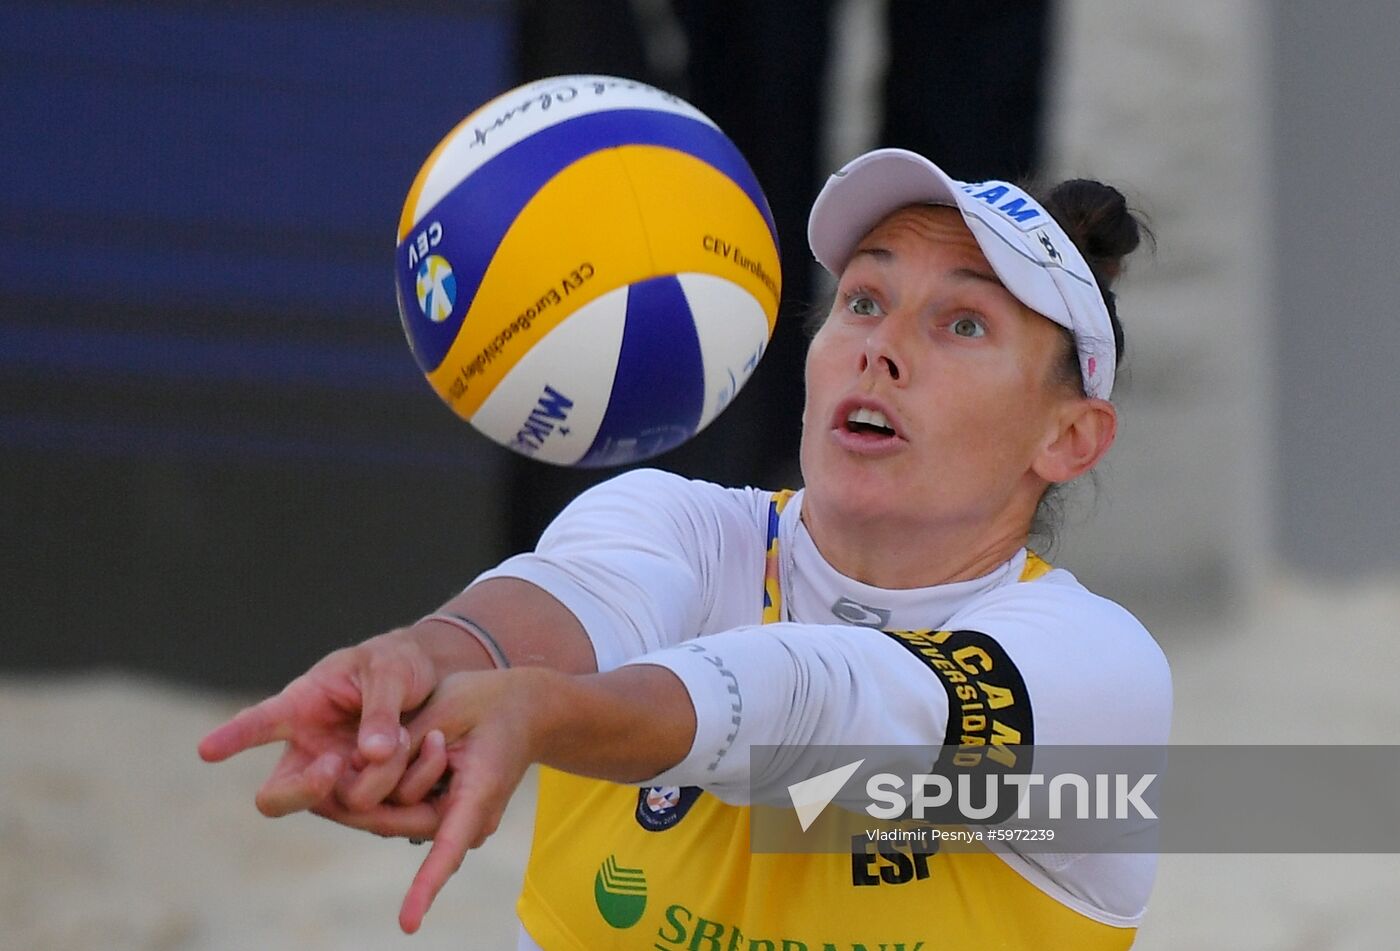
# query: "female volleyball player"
[663,628]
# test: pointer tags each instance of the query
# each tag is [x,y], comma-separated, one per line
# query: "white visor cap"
[1030,253]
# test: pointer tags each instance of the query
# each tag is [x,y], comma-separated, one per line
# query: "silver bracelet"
[482,636]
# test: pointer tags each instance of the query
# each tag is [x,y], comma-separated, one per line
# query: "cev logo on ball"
[437,288]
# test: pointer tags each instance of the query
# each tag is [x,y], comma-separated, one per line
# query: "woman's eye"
[864,305]
[968,327]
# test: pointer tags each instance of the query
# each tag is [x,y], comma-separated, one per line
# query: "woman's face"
[931,390]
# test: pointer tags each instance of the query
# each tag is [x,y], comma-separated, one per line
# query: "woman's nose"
[882,352]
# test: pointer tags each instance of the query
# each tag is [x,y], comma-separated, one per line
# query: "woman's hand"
[480,730]
[341,718]
[343,712]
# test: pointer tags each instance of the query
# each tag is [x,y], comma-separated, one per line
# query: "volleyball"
[587,270]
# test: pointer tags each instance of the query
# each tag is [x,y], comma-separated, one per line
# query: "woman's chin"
[856,497]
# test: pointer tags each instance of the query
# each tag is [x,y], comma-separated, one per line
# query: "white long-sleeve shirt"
[666,571]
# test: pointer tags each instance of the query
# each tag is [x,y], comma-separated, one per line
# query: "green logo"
[621,893]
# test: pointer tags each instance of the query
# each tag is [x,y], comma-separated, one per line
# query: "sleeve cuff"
[714,757]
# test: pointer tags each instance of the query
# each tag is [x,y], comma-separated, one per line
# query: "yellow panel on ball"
[698,220]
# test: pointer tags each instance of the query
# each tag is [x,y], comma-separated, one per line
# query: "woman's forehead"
[937,224]
[922,227]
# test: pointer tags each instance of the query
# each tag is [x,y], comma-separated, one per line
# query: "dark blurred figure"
[568,36]
[758,69]
[963,85]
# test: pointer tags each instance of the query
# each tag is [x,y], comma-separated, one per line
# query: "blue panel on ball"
[478,212]
[659,391]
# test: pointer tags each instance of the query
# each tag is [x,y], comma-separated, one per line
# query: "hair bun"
[1097,219]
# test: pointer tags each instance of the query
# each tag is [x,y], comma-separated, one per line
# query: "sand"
[114,835]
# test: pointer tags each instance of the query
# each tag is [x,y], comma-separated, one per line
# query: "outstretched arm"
[777,684]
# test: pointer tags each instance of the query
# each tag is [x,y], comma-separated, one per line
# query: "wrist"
[622,726]
[550,709]
[495,655]
[447,646]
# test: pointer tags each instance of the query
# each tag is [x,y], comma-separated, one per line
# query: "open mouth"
[868,422]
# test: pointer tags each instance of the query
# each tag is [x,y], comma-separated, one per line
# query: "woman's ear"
[1084,431]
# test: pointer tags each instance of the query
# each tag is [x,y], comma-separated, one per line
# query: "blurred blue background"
[208,414]
[207,198]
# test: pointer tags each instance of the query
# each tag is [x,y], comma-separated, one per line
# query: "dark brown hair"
[1096,217]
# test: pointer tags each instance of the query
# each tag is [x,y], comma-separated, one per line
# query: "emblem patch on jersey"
[861,615]
[661,807]
[620,893]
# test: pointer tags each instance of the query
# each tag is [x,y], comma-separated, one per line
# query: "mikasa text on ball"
[587,270]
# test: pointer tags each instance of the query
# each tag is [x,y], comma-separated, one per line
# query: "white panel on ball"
[733,332]
[516,115]
[577,361]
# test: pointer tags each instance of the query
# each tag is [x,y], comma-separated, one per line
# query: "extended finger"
[425,772]
[454,832]
[293,786]
[371,785]
[265,722]
[471,812]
